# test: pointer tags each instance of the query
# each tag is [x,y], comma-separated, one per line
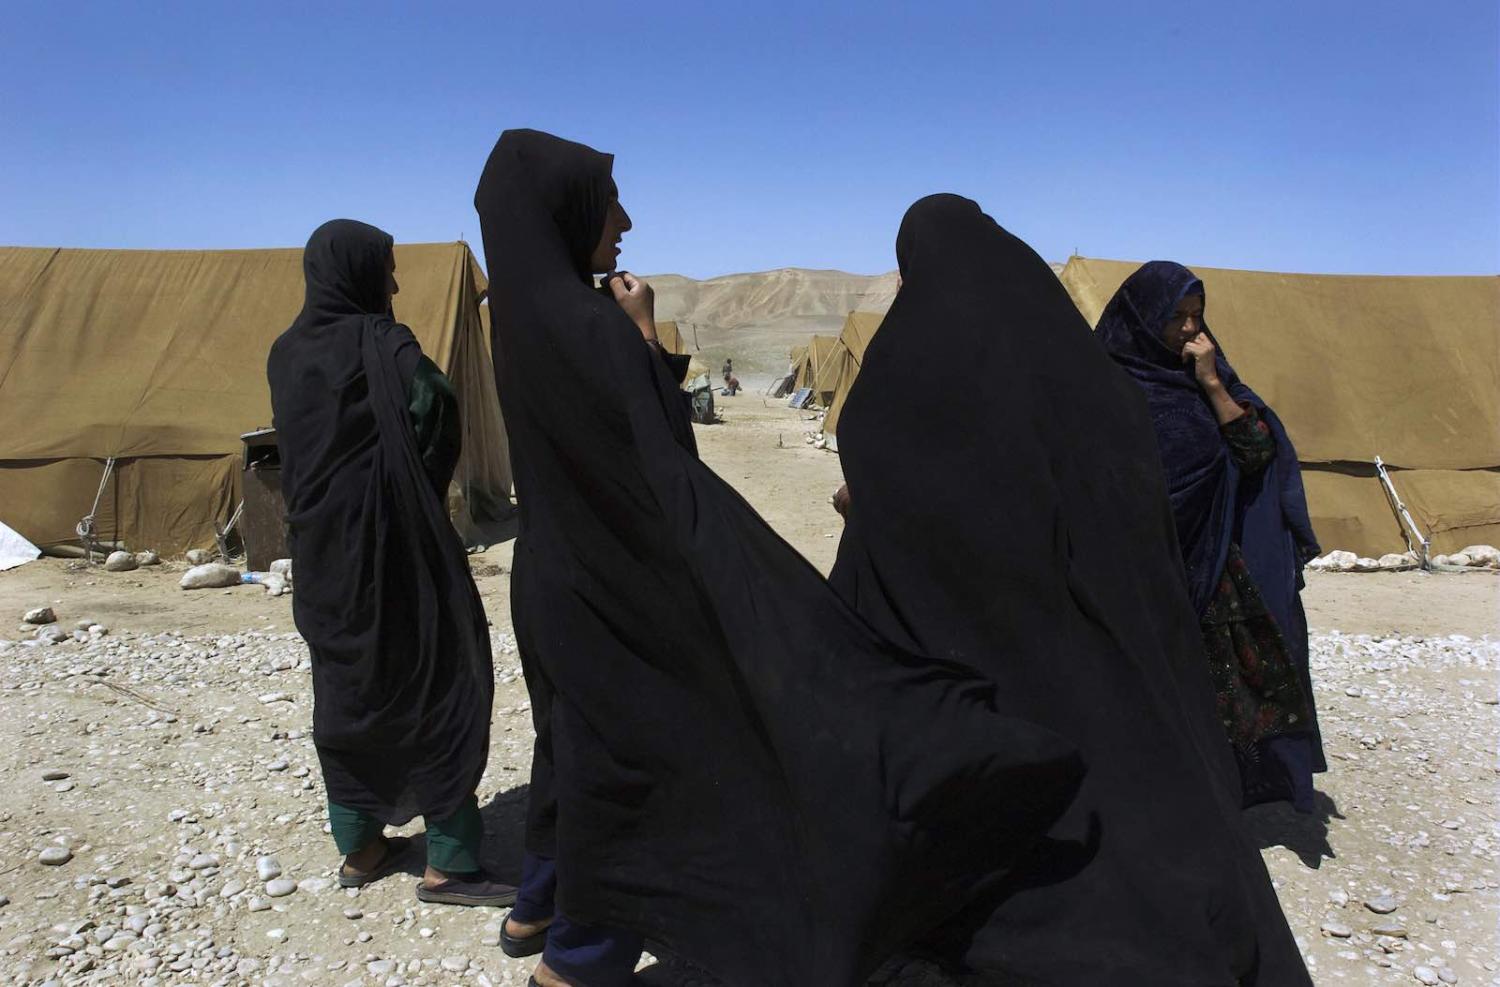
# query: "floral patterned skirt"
[1258,691]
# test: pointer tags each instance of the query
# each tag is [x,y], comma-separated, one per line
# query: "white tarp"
[15,550]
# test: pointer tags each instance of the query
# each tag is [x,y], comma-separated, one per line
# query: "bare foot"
[543,975]
[366,858]
[524,930]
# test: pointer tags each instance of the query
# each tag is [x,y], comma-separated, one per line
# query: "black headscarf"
[402,680]
[739,768]
[1015,520]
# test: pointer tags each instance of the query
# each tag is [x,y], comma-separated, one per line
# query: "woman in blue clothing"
[1242,523]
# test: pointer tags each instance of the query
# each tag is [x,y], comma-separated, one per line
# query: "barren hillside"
[757,318]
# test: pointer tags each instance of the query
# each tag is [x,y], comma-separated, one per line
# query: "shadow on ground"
[504,839]
[505,833]
[1278,824]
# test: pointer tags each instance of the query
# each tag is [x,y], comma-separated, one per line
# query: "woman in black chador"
[402,683]
[728,760]
[1016,521]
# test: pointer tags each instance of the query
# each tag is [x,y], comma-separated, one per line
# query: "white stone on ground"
[120,562]
[1406,756]
[39,615]
[210,575]
[1482,555]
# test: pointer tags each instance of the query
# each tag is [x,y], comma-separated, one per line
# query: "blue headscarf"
[1213,504]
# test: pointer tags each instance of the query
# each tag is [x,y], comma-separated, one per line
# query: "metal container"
[263,520]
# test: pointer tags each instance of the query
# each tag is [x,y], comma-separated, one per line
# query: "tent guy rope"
[85,527]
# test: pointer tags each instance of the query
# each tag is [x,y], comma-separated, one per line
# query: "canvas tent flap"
[1455,508]
[151,353]
[859,329]
[461,335]
[20,268]
[1459,508]
[151,356]
[820,350]
[165,503]
[670,339]
[832,368]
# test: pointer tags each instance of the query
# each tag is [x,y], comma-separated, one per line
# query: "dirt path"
[182,734]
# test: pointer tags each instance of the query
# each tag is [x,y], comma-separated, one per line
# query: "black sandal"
[474,889]
[395,849]
[520,947]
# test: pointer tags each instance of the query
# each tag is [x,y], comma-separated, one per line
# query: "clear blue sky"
[1304,136]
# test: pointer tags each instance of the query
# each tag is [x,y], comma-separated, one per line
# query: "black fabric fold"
[402,679]
[730,761]
[1015,520]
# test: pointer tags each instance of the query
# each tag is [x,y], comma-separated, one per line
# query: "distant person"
[1023,529]
[1242,523]
[728,369]
[401,674]
[727,760]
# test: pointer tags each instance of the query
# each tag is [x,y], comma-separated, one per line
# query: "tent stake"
[1409,527]
[221,535]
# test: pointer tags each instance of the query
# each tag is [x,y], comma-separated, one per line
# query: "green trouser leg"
[453,843]
[352,829]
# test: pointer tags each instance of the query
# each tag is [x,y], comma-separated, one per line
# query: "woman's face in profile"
[391,287]
[607,251]
[1185,322]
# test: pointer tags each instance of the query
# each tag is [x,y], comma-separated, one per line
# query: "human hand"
[1201,353]
[638,301]
[841,500]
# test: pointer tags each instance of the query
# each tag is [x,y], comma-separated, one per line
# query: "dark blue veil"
[1212,503]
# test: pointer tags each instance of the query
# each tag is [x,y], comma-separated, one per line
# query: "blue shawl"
[1213,505]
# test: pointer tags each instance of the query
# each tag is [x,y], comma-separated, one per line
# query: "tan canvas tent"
[813,371]
[788,381]
[670,338]
[1406,368]
[157,358]
[859,329]
[825,381]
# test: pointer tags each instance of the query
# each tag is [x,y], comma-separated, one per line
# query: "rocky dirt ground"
[164,820]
